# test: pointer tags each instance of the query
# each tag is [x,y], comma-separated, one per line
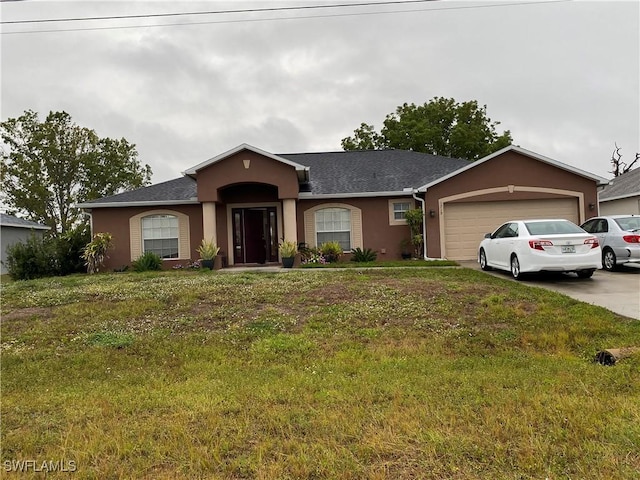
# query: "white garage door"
[465,224]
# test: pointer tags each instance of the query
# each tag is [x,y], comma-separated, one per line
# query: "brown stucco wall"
[511,168]
[116,222]
[231,171]
[378,235]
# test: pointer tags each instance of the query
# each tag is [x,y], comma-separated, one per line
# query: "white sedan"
[556,245]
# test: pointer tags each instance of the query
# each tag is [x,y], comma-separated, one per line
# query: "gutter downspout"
[90,215]
[424,223]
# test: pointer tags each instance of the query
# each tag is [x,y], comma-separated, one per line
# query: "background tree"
[620,167]
[440,127]
[48,166]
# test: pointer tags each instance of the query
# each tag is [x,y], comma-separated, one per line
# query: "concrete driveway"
[617,291]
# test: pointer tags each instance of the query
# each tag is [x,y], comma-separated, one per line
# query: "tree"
[620,167]
[51,165]
[440,127]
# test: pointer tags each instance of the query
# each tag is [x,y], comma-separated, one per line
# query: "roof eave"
[620,197]
[309,196]
[157,203]
[26,227]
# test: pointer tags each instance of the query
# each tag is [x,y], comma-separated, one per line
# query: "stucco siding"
[12,235]
[511,176]
[377,233]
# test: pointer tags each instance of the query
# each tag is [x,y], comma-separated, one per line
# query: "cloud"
[563,77]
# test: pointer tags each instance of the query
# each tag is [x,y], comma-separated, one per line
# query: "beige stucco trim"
[289,220]
[231,206]
[209,221]
[507,188]
[356,223]
[392,220]
[135,233]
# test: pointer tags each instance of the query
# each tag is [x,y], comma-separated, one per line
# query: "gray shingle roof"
[626,185]
[10,221]
[330,173]
[372,170]
[178,190]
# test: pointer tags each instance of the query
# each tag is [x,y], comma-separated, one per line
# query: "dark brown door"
[255,236]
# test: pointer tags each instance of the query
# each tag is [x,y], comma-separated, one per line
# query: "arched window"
[334,225]
[160,235]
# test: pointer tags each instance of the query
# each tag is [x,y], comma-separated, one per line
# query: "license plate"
[568,248]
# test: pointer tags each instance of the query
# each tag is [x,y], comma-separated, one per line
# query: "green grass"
[348,374]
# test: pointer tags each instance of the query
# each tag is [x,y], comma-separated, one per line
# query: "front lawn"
[380,374]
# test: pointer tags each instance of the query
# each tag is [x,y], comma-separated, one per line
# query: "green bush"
[331,251]
[147,261]
[69,249]
[33,259]
[360,255]
[47,256]
[95,253]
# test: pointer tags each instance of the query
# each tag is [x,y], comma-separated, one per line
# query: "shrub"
[366,255]
[147,261]
[414,219]
[95,253]
[33,259]
[288,249]
[310,255]
[69,249]
[47,256]
[208,250]
[331,251]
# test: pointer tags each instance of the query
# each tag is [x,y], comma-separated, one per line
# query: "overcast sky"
[562,76]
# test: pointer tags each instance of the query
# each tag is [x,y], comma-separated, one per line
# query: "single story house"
[16,230]
[622,195]
[247,200]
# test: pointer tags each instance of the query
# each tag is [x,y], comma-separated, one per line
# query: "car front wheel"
[515,268]
[609,260]
[483,260]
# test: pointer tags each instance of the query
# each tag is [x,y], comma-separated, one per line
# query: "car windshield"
[628,223]
[552,227]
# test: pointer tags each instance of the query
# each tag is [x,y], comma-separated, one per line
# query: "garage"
[466,223]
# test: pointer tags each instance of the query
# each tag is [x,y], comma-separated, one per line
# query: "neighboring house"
[14,230]
[247,200]
[622,195]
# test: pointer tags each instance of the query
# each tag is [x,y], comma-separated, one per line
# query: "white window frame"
[159,232]
[344,212]
[310,234]
[136,242]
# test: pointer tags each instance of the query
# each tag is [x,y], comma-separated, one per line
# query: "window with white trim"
[160,235]
[334,225]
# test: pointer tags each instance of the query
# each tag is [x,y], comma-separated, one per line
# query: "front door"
[255,235]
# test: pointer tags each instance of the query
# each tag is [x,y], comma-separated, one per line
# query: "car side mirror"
[487,235]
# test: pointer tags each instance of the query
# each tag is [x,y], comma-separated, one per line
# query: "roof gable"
[299,168]
[512,148]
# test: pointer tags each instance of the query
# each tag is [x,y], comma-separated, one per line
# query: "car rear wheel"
[609,260]
[483,260]
[585,273]
[515,267]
